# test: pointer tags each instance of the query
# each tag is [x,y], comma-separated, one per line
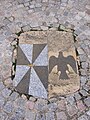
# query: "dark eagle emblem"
[62,63]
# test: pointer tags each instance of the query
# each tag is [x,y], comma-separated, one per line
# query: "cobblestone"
[61,116]
[87,101]
[8,108]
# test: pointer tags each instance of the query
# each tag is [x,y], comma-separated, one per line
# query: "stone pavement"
[18,16]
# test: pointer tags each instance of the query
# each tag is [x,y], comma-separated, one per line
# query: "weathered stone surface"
[50,116]
[8,108]
[87,101]
[72,110]
[61,116]
[83,117]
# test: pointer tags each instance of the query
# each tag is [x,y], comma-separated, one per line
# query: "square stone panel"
[47,61]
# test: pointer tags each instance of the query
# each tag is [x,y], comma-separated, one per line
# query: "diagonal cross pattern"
[32,70]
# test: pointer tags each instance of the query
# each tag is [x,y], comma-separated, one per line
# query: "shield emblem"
[32,70]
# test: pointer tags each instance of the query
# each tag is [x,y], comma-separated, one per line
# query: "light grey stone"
[61,116]
[13,96]
[1,86]
[8,108]
[87,101]
[83,92]
[3,116]
[52,107]
[50,116]
[2,101]
[40,117]
[6,92]
[70,99]
[20,113]
[88,112]
[26,28]
[77,96]
[83,80]
[29,115]
[72,109]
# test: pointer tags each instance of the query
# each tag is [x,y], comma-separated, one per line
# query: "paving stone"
[61,105]
[1,86]
[50,116]
[30,105]
[20,113]
[52,107]
[81,106]
[88,112]
[40,117]
[3,116]
[83,80]
[29,115]
[72,110]
[40,104]
[6,92]
[8,108]
[13,96]
[83,117]
[84,93]
[87,101]
[70,99]
[61,116]
[2,101]
[77,96]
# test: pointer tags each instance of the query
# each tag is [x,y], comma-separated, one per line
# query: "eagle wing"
[71,61]
[53,61]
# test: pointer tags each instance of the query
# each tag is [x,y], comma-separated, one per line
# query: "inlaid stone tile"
[32,70]
[46,64]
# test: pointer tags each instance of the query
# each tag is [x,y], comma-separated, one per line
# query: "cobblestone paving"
[17,16]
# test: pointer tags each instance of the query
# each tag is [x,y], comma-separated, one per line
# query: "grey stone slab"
[37,49]
[21,58]
[23,85]
[21,70]
[42,59]
[42,72]
[27,49]
[36,87]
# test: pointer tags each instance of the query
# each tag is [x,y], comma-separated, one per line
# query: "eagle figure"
[61,63]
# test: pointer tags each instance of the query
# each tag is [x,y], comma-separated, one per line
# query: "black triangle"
[21,58]
[42,72]
[37,49]
[23,86]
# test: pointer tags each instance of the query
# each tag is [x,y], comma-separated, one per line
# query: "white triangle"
[21,70]
[36,87]
[27,49]
[42,59]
